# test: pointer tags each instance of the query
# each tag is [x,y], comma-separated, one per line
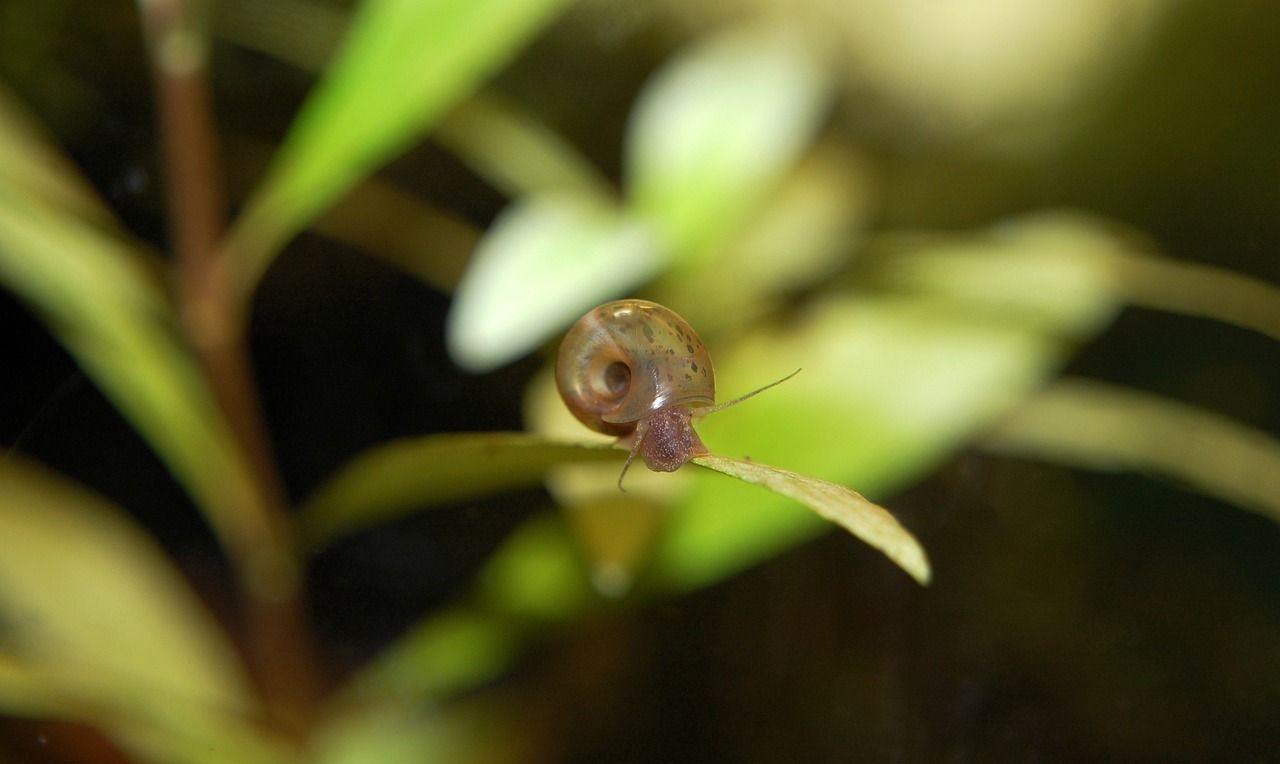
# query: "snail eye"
[617,378]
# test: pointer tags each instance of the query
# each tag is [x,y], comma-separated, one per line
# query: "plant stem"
[212,315]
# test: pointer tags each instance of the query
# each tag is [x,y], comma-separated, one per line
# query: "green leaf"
[890,387]
[403,63]
[543,264]
[799,238]
[1056,272]
[399,477]
[517,154]
[892,383]
[1100,426]
[716,129]
[1201,290]
[29,162]
[82,591]
[710,138]
[103,301]
[850,510]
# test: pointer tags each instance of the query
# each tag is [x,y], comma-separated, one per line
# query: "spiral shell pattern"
[627,359]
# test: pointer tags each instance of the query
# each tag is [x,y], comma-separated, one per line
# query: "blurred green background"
[1024,253]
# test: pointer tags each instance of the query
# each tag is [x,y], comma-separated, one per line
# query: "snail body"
[637,370]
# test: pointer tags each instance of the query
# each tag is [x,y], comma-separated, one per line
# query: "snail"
[637,370]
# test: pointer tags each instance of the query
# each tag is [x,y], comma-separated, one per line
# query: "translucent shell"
[627,359]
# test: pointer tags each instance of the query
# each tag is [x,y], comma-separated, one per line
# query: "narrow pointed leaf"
[104,303]
[1100,426]
[849,509]
[31,164]
[1202,290]
[403,63]
[399,477]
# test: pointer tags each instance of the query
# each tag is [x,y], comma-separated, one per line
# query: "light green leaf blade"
[1100,426]
[716,129]
[836,503]
[81,591]
[104,303]
[403,63]
[543,264]
[890,386]
[399,477]
[892,382]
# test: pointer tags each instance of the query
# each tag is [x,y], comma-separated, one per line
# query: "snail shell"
[635,369]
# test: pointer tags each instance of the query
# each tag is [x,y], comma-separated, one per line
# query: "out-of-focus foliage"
[708,140]
[402,477]
[83,590]
[430,53]
[758,167]
[104,299]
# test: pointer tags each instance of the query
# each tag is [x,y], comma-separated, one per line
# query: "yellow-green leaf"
[393,479]
[517,154]
[544,263]
[1100,426]
[715,130]
[106,305]
[403,63]
[849,509]
[98,621]
[30,163]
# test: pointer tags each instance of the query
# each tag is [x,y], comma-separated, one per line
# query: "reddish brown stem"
[212,316]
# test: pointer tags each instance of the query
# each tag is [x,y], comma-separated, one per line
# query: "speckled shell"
[667,363]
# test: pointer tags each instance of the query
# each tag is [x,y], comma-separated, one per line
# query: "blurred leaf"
[403,63]
[389,222]
[1202,290]
[716,129]
[890,387]
[1100,426]
[850,510]
[399,477]
[1052,270]
[102,301]
[517,154]
[710,138]
[479,730]
[537,575]
[544,263]
[616,532]
[29,162]
[81,590]
[892,384]
[380,217]
[801,235]
[304,33]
